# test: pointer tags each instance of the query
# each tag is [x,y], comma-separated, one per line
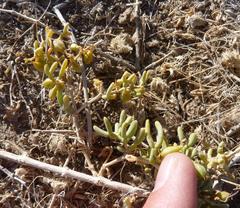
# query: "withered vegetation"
[190,47]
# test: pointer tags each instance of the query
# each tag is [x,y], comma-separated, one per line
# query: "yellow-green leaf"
[201,170]
[60,97]
[53,93]
[87,56]
[48,83]
[63,68]
[53,68]
[170,149]
[58,45]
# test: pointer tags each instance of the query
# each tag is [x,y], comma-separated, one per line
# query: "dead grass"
[196,85]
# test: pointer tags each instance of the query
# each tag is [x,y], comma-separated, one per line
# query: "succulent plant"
[127,87]
[136,140]
[55,57]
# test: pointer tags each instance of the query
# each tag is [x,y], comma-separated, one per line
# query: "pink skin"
[176,184]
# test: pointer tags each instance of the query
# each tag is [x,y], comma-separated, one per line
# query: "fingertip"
[176,184]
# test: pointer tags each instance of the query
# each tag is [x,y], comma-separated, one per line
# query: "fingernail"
[168,166]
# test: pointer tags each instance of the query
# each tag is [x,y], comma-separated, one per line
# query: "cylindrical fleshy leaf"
[36,44]
[170,149]
[192,140]
[47,71]
[39,53]
[201,170]
[48,83]
[124,126]
[65,32]
[59,84]
[60,97]
[63,68]
[74,47]
[152,156]
[38,65]
[53,93]
[210,153]
[66,102]
[108,125]
[53,68]
[194,153]
[87,56]
[125,95]
[121,149]
[148,132]
[220,148]
[139,138]
[160,135]
[132,79]
[58,45]
[123,117]
[180,133]
[125,76]
[100,132]
[124,131]
[109,92]
[144,78]
[132,129]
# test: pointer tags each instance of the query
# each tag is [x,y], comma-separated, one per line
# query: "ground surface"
[196,85]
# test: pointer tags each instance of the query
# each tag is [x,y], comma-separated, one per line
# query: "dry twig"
[85,92]
[12,176]
[85,149]
[53,131]
[158,62]
[87,108]
[116,59]
[65,172]
[137,33]
[84,76]
[56,9]
[233,130]
[92,100]
[30,19]
[128,157]
[21,94]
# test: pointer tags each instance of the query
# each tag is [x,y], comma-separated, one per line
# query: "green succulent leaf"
[48,83]
[100,131]
[60,97]
[192,140]
[148,133]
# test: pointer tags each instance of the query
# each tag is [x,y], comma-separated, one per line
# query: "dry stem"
[80,140]
[53,131]
[30,19]
[128,157]
[92,100]
[12,176]
[87,108]
[116,59]
[137,33]
[84,77]
[85,92]
[158,62]
[65,172]
[233,130]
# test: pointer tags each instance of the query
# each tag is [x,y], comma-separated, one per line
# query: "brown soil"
[196,86]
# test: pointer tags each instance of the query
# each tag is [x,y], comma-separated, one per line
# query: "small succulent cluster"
[139,141]
[55,57]
[127,87]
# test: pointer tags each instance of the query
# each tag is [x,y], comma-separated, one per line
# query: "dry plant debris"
[192,51]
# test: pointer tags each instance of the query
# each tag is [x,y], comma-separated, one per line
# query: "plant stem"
[65,172]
